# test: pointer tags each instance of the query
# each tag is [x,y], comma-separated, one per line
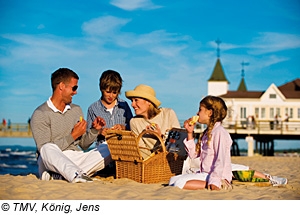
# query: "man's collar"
[51,105]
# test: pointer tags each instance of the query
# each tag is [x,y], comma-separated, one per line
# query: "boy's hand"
[118,127]
[103,131]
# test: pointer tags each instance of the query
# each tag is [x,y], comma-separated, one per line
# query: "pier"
[259,136]
[16,130]
[262,134]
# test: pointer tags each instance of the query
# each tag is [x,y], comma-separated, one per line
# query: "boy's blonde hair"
[219,112]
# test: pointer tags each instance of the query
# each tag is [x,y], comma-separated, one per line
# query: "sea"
[18,155]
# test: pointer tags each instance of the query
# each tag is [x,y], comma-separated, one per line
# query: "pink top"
[215,158]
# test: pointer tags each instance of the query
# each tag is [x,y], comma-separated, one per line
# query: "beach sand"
[30,188]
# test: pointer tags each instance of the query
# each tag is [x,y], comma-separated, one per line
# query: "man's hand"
[79,129]
[98,123]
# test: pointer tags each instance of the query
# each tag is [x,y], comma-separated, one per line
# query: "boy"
[115,111]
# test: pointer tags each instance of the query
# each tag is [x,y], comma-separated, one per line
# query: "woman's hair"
[219,112]
[112,80]
[152,111]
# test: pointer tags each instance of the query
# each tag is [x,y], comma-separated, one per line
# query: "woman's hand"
[154,127]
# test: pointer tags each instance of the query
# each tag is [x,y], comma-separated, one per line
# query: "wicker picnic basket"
[159,167]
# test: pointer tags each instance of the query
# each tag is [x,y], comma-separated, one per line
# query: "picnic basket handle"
[154,133]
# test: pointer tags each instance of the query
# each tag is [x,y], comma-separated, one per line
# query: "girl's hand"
[189,128]
[213,187]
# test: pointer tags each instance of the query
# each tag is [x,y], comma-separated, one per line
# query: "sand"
[30,188]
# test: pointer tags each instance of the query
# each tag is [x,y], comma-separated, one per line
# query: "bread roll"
[194,120]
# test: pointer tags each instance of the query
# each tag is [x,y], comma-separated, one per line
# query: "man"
[113,110]
[58,129]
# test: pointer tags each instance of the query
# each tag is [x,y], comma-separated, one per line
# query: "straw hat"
[145,92]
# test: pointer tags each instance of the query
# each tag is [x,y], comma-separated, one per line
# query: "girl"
[213,149]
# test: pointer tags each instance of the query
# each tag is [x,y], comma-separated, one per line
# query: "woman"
[149,116]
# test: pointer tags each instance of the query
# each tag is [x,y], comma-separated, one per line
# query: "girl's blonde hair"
[219,112]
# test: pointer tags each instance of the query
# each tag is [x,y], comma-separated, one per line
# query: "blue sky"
[167,44]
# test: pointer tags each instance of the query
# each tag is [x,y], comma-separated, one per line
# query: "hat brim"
[143,95]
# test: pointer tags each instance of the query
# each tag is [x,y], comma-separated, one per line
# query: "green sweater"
[54,127]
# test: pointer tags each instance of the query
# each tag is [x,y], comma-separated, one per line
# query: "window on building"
[263,113]
[272,96]
[243,113]
[272,115]
[229,112]
[286,111]
[278,111]
[256,112]
[291,113]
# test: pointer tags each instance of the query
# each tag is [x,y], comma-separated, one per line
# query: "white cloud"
[266,42]
[269,42]
[131,5]
[41,26]
[103,25]
[168,51]
[224,46]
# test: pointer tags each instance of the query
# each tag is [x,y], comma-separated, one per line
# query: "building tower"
[242,86]
[218,83]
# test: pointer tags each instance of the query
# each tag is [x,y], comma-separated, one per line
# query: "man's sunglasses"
[74,88]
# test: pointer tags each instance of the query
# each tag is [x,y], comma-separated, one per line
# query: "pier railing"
[260,127]
[15,130]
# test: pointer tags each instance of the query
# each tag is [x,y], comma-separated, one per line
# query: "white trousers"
[180,180]
[193,166]
[191,171]
[68,163]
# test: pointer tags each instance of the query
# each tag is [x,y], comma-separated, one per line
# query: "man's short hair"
[111,80]
[62,75]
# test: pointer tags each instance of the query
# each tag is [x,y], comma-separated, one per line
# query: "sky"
[166,44]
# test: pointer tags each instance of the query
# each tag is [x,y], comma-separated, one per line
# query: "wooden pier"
[261,134]
[16,130]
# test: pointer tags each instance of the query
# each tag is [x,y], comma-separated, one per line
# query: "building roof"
[242,86]
[243,94]
[290,90]
[218,73]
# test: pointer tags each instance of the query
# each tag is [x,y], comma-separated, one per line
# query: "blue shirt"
[121,114]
